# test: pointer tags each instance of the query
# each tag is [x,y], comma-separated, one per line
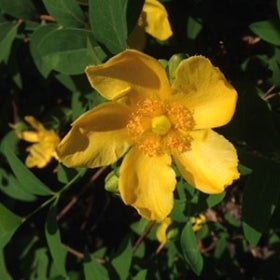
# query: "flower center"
[161,125]
[157,127]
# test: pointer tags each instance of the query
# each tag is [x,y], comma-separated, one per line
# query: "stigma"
[159,127]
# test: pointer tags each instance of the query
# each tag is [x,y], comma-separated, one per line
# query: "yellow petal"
[204,89]
[130,72]
[98,138]
[161,232]
[39,155]
[147,184]
[211,164]
[34,123]
[154,19]
[29,136]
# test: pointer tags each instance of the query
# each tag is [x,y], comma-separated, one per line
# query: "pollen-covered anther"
[152,146]
[179,143]
[181,117]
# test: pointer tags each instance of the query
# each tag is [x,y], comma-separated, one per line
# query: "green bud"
[112,182]
[173,63]
[172,234]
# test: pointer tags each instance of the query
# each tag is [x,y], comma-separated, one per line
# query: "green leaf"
[23,9]
[4,274]
[30,182]
[65,12]
[40,265]
[95,270]
[9,223]
[65,50]
[13,188]
[193,28]
[57,250]
[8,32]
[268,30]
[121,261]
[141,275]
[278,7]
[261,195]
[108,22]
[190,249]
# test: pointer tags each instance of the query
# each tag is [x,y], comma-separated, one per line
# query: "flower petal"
[211,164]
[204,89]
[154,19]
[34,123]
[98,138]
[147,184]
[130,72]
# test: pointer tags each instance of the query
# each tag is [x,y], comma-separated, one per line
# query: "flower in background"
[198,222]
[45,142]
[153,123]
[154,21]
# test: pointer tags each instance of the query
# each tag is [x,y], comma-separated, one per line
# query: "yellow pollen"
[161,125]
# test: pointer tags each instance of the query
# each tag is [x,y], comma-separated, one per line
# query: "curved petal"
[154,19]
[204,90]
[147,184]
[211,164]
[130,72]
[98,138]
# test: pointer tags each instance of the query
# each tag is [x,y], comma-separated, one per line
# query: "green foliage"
[63,223]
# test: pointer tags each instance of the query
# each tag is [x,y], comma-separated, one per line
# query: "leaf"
[30,182]
[121,261]
[190,249]
[141,275]
[193,28]
[95,270]
[57,250]
[23,9]
[268,30]
[13,188]
[40,265]
[108,23]
[8,32]
[261,195]
[9,223]
[4,274]
[65,50]
[65,12]
[278,7]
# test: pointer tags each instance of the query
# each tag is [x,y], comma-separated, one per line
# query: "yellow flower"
[154,21]
[197,222]
[45,142]
[152,122]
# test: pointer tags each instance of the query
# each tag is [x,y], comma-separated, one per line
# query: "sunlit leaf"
[95,270]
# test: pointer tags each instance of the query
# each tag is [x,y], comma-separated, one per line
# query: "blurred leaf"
[64,50]
[31,183]
[65,175]
[95,270]
[8,32]
[141,275]
[108,22]
[40,265]
[190,249]
[121,261]
[261,195]
[9,223]
[4,274]
[278,7]
[22,9]
[57,250]
[13,188]
[66,12]
[193,28]
[268,30]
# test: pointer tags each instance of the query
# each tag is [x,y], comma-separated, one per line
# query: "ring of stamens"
[157,127]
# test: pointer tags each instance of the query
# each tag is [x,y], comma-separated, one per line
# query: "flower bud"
[112,182]
[173,63]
